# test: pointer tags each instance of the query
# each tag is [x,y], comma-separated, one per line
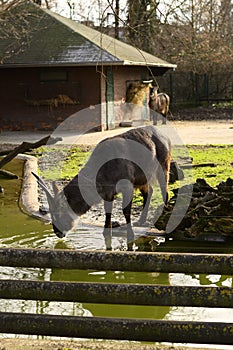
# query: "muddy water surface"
[17,229]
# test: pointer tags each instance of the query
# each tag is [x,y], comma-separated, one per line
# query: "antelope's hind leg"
[146,192]
[163,178]
[126,207]
[108,224]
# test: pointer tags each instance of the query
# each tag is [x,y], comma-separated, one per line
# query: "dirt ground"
[25,344]
[187,132]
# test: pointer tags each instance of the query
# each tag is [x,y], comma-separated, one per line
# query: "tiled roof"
[51,39]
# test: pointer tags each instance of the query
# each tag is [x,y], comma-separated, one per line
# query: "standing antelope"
[159,103]
[119,164]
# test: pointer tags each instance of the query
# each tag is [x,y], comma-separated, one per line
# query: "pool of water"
[18,229]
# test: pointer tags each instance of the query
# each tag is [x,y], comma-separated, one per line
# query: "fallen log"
[201,165]
[27,146]
[7,174]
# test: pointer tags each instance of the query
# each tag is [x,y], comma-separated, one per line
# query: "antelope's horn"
[42,184]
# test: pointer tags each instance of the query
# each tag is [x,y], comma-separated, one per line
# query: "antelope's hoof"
[115,224]
[130,247]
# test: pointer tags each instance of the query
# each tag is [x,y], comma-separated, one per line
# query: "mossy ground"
[220,155]
[66,163]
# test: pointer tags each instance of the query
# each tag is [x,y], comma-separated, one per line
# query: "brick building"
[59,67]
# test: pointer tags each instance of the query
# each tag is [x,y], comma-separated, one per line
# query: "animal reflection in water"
[132,160]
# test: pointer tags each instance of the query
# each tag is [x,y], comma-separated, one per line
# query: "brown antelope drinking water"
[119,164]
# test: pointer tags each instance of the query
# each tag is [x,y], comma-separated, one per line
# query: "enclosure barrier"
[113,293]
[118,261]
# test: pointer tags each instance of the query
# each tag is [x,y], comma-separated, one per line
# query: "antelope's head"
[62,216]
[153,91]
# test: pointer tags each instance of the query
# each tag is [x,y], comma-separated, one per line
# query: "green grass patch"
[224,104]
[64,163]
[220,155]
[75,160]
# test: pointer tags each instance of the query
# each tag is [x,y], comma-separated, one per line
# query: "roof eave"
[82,64]
[150,64]
[59,64]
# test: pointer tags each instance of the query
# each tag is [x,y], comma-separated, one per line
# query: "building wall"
[122,78]
[41,99]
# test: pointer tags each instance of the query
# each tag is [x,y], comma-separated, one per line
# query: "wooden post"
[119,261]
[115,293]
[119,329]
